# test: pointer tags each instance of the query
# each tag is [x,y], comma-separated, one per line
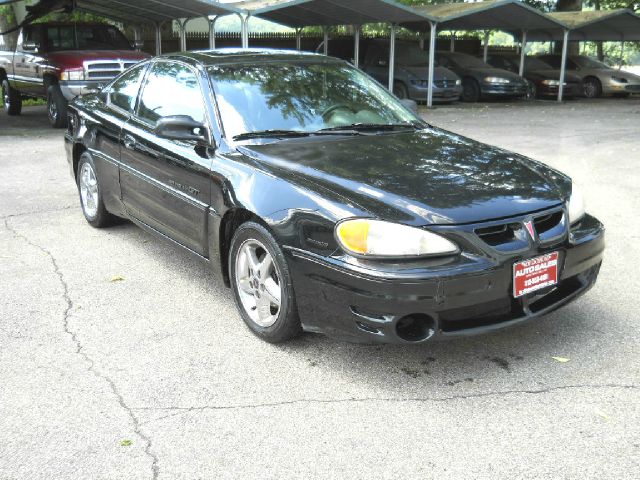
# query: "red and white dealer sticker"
[535,274]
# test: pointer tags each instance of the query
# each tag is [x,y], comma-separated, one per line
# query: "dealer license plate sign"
[535,274]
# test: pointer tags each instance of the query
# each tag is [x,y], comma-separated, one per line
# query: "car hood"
[76,58]
[496,72]
[417,178]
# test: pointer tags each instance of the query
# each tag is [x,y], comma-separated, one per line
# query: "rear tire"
[90,193]
[56,107]
[592,88]
[11,98]
[470,90]
[261,284]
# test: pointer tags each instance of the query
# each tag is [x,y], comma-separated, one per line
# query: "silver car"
[598,79]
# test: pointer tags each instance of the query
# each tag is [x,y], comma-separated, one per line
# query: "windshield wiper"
[271,134]
[363,127]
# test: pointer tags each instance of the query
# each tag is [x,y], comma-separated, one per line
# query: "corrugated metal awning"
[604,25]
[144,11]
[506,15]
[304,13]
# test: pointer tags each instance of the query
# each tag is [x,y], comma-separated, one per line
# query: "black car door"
[166,183]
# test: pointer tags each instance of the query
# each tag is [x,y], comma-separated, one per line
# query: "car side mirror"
[410,104]
[180,127]
[30,46]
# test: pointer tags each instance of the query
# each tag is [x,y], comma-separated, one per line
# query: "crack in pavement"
[182,410]
[80,349]
[35,212]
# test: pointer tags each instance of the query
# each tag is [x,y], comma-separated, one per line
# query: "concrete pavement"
[155,376]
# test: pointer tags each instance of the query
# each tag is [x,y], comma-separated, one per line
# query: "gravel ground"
[155,376]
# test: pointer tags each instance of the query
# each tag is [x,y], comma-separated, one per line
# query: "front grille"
[546,223]
[106,69]
[444,83]
[498,234]
[632,88]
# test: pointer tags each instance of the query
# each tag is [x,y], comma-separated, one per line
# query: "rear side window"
[171,89]
[124,90]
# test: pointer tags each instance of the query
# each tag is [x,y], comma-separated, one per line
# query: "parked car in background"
[544,80]
[598,78]
[324,203]
[411,79]
[481,80]
[59,61]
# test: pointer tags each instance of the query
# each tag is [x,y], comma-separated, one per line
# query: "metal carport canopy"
[601,25]
[154,11]
[511,16]
[305,13]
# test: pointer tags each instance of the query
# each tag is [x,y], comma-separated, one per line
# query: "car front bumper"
[440,94]
[72,89]
[569,90]
[466,295]
[504,90]
[614,88]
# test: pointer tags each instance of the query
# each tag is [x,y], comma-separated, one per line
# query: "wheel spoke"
[272,292]
[265,267]
[264,309]
[243,283]
[252,258]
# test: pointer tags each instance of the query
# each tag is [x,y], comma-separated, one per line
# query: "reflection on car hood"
[496,72]
[417,178]
[551,74]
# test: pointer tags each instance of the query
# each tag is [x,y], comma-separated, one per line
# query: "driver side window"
[124,91]
[171,89]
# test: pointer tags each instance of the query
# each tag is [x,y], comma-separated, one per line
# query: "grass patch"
[29,102]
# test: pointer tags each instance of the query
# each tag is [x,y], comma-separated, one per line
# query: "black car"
[481,80]
[324,203]
[544,80]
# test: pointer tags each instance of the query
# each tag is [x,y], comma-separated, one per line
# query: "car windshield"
[85,37]
[412,56]
[467,61]
[533,63]
[304,97]
[587,62]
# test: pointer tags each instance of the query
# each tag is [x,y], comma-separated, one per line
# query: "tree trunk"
[7,22]
[569,6]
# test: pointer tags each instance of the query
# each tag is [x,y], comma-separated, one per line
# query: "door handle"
[129,142]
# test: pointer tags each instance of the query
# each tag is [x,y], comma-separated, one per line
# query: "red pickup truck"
[59,61]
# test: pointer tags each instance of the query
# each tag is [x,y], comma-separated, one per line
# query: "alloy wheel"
[53,111]
[258,283]
[5,97]
[89,190]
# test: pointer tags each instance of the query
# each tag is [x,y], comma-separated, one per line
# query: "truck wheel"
[56,107]
[470,90]
[400,90]
[11,98]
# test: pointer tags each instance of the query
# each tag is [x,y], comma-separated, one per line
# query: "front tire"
[261,284]
[56,107]
[400,90]
[91,194]
[11,98]
[470,90]
[592,88]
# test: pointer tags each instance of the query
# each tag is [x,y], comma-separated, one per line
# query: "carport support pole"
[523,44]
[485,54]
[183,34]
[159,38]
[299,39]
[356,46]
[392,56]
[563,64]
[136,36]
[212,32]
[325,31]
[452,44]
[244,30]
[432,62]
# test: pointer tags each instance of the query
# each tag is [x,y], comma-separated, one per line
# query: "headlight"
[458,82]
[496,80]
[619,79]
[72,74]
[576,205]
[552,83]
[375,238]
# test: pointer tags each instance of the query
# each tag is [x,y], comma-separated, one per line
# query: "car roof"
[248,55]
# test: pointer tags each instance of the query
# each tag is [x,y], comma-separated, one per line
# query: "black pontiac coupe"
[324,203]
